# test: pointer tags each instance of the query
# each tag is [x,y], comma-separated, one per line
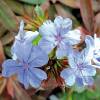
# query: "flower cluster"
[57,39]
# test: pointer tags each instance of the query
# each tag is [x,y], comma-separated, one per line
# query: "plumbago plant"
[55,54]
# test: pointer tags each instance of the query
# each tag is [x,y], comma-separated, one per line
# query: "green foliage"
[63,97]
[33,1]
[87,95]
[39,11]
[15,6]
[7,51]
[6,16]
[35,41]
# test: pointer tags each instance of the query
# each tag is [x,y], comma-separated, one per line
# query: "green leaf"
[52,12]
[7,17]
[78,89]
[33,1]
[15,6]
[63,96]
[80,96]
[39,11]
[36,40]
[93,94]
[2,30]
[7,50]
[28,10]
[87,95]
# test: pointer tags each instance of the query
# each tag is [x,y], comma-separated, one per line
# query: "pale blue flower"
[28,60]
[96,57]
[58,34]
[23,39]
[80,70]
[97,42]
[27,67]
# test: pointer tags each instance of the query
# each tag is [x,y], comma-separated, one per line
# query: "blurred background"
[85,15]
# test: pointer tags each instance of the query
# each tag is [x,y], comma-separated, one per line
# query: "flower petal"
[79,82]
[25,36]
[23,78]
[72,37]
[61,50]
[39,73]
[96,57]
[58,21]
[48,29]
[63,25]
[11,67]
[46,45]
[68,75]
[66,25]
[30,36]
[21,50]
[21,31]
[96,66]
[97,42]
[38,57]
[87,53]
[89,70]
[33,79]
[71,54]
[89,81]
